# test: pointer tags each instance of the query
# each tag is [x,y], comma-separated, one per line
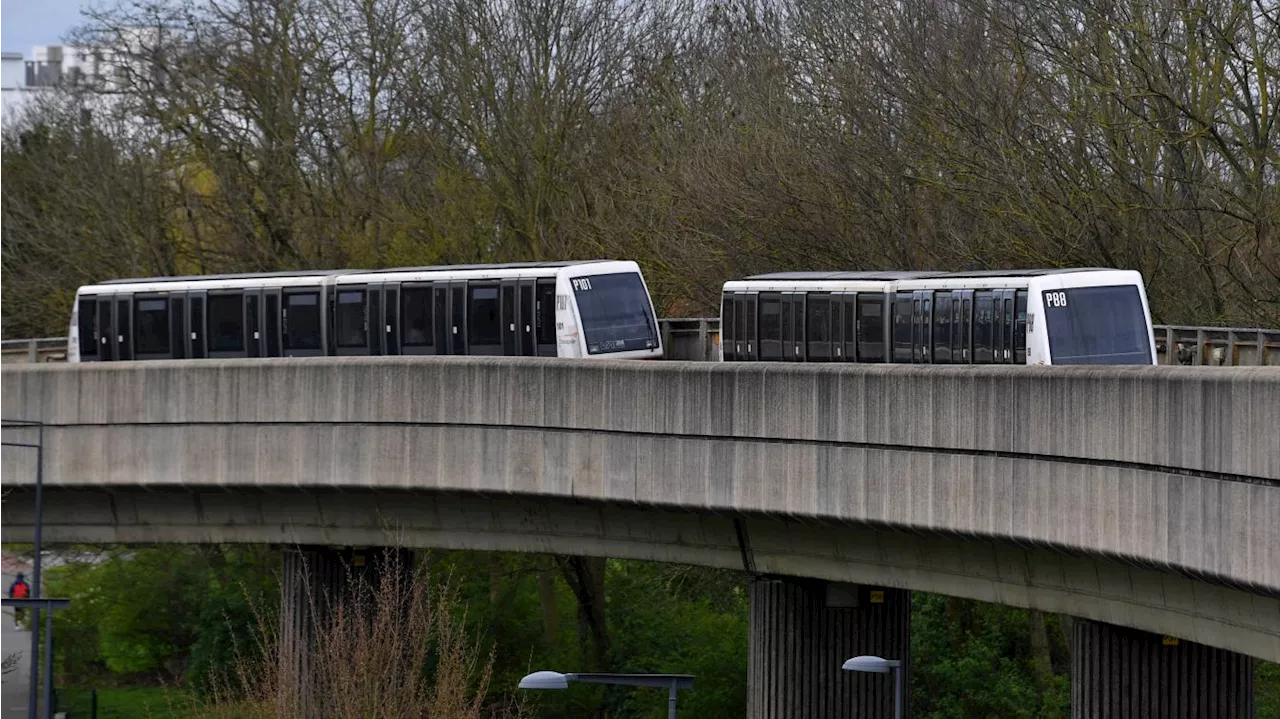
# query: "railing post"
[31,350]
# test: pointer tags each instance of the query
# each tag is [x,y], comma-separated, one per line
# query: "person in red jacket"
[19,590]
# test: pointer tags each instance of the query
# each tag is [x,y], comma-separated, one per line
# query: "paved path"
[13,640]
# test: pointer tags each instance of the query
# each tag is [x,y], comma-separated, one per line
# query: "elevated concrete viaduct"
[1144,497]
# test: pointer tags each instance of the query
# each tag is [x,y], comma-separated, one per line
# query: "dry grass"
[393,647]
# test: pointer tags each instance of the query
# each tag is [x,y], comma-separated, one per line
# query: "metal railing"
[698,339]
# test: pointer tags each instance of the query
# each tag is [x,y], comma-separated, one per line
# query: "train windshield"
[615,312]
[1097,325]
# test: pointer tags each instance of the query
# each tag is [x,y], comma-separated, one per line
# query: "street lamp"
[39,445]
[876,665]
[556,680]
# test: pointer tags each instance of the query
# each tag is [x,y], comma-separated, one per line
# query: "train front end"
[603,310]
[1097,317]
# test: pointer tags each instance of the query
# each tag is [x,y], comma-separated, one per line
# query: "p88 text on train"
[1066,316]
[550,309]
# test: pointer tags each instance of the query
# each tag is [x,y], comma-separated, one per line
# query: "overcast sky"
[24,23]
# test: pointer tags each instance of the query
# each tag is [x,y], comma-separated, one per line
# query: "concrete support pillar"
[1117,672]
[801,631]
[313,581]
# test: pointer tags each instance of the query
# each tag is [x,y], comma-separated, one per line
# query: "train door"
[440,316]
[197,332]
[122,321]
[510,320]
[771,338]
[271,313]
[458,317]
[848,351]
[390,300]
[751,325]
[373,319]
[105,328]
[528,321]
[178,325]
[1002,327]
[817,326]
[962,326]
[793,320]
[728,339]
[253,322]
[922,326]
[742,339]
[545,309]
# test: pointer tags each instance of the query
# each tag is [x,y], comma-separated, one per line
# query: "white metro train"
[1063,316]
[551,309]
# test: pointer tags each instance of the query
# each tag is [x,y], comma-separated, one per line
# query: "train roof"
[330,273]
[887,276]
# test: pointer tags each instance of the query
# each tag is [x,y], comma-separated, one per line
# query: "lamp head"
[545,680]
[869,664]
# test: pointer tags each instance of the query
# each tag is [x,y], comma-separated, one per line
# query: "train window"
[818,327]
[902,308]
[87,324]
[177,315]
[272,325]
[984,308]
[485,316]
[151,326]
[349,320]
[770,327]
[546,301]
[871,311]
[1020,327]
[416,316]
[728,338]
[226,323]
[302,321]
[942,328]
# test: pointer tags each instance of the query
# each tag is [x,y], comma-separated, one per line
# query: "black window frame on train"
[413,320]
[215,345]
[151,313]
[289,321]
[484,318]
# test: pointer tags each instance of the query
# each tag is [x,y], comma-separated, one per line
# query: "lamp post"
[556,680]
[39,445]
[876,665]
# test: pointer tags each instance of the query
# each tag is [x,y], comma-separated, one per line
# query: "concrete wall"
[1175,469]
